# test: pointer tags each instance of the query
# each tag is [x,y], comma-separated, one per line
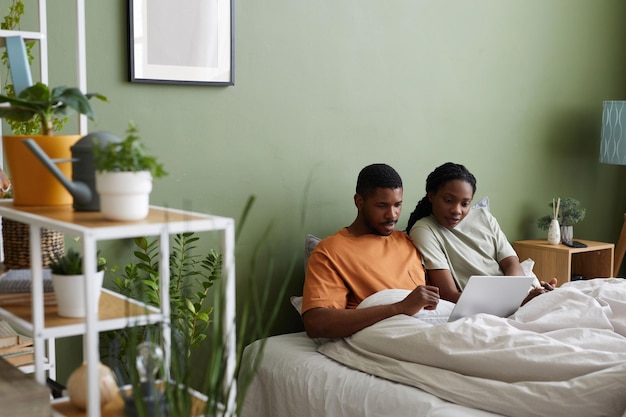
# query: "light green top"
[474,247]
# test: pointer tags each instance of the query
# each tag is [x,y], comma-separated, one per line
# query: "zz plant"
[194,278]
[191,277]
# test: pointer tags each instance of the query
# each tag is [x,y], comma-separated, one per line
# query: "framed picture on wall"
[181,41]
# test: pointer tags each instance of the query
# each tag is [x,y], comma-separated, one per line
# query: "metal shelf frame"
[90,228]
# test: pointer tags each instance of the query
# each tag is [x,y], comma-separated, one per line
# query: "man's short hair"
[377,176]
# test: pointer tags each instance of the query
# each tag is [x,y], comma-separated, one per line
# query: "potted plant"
[570,213]
[124,174]
[33,184]
[68,282]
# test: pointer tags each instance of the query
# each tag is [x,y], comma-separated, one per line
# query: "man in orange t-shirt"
[363,258]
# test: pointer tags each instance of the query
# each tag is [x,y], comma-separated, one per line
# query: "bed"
[562,354]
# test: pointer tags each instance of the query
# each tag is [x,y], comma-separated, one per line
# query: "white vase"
[554,232]
[70,293]
[124,195]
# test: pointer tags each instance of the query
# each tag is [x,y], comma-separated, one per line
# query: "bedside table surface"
[543,243]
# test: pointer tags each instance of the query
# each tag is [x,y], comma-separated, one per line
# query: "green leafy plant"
[71,263]
[191,277]
[570,213]
[39,100]
[193,323]
[128,155]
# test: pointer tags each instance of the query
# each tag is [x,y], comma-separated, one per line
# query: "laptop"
[500,296]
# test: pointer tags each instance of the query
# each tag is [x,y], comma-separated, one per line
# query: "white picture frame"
[181,41]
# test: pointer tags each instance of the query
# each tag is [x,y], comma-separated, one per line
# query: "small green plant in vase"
[71,263]
[69,283]
[129,155]
[568,214]
[124,174]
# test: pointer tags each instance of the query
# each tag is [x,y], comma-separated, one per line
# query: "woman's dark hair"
[435,180]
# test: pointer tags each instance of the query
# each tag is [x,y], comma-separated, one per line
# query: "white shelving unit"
[114,311]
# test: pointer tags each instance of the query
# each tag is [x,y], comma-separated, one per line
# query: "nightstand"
[560,261]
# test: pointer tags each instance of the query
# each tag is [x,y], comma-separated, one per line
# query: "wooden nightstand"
[560,261]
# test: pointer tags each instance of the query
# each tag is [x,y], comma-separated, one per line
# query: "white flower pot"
[554,232]
[124,195]
[70,293]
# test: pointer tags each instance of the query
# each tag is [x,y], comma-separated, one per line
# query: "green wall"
[512,89]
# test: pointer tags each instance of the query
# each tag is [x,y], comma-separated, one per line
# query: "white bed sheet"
[562,354]
[294,380]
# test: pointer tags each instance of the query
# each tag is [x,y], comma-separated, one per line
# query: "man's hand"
[544,288]
[424,296]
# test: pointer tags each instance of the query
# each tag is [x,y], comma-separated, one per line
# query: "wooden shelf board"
[111,307]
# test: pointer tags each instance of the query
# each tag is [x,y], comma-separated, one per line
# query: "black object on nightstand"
[574,244]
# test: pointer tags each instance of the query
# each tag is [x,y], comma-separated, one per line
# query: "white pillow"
[296,302]
[484,203]
[309,244]
[384,297]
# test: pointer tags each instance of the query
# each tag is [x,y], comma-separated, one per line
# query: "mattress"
[294,380]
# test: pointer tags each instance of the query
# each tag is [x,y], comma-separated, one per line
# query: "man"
[366,257]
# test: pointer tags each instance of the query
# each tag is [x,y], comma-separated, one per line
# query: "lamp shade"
[613,145]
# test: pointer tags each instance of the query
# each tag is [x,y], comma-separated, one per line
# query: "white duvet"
[562,354]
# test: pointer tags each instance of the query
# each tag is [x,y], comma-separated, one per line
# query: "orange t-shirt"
[344,269]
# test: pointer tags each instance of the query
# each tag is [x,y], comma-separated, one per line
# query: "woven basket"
[16,244]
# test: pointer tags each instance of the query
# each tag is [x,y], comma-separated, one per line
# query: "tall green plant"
[191,277]
[193,322]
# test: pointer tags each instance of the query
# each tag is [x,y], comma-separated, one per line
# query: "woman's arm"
[511,267]
[442,278]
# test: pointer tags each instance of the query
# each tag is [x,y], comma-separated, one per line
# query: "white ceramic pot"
[70,293]
[554,232]
[124,195]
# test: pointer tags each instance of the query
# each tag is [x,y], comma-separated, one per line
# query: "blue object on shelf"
[18,63]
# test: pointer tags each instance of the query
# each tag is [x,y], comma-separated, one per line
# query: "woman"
[457,242]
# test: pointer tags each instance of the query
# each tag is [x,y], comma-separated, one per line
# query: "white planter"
[70,293]
[124,195]
[554,232]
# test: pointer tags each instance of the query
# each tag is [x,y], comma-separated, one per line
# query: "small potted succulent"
[68,282]
[570,213]
[33,184]
[124,174]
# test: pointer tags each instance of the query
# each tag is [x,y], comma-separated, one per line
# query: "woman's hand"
[544,288]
